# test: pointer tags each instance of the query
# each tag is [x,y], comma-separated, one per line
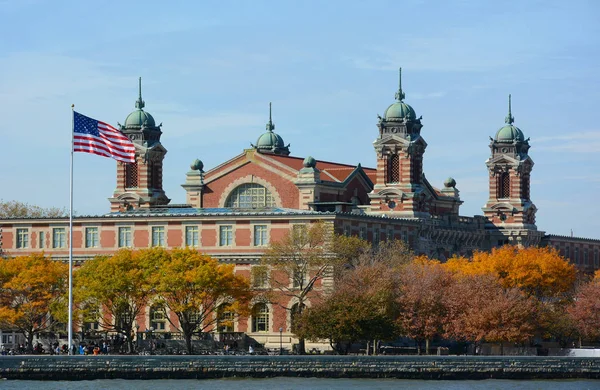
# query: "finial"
[270,125]
[509,119]
[139,104]
[400,95]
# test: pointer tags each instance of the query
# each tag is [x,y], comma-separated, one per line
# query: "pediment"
[502,206]
[503,159]
[391,139]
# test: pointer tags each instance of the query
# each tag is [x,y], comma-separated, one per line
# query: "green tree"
[30,293]
[196,288]
[118,287]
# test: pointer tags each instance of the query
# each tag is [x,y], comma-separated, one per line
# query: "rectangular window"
[59,238]
[225,235]
[376,236]
[91,237]
[191,236]
[404,236]
[124,237]
[568,252]
[390,234]
[22,238]
[260,277]
[363,233]
[158,236]
[42,239]
[576,253]
[299,277]
[596,259]
[347,231]
[7,339]
[260,235]
[585,256]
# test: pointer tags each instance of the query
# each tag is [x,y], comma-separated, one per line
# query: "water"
[304,384]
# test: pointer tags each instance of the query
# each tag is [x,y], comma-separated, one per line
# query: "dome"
[139,118]
[270,140]
[450,183]
[309,162]
[400,110]
[509,134]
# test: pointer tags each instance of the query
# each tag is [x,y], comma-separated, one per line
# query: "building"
[235,209]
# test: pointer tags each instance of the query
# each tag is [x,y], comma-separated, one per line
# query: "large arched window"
[260,317]
[250,196]
[503,187]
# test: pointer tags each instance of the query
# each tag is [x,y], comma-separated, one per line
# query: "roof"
[331,171]
[192,211]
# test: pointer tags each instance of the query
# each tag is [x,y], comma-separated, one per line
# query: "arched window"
[250,196]
[260,318]
[504,185]
[158,317]
[225,319]
[393,169]
[294,313]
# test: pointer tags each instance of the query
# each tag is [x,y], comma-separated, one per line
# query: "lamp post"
[151,346]
[280,341]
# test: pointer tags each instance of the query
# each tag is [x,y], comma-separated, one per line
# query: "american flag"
[92,136]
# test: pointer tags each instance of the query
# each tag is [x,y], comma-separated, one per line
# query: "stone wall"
[204,367]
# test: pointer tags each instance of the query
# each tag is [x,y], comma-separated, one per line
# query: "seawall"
[209,367]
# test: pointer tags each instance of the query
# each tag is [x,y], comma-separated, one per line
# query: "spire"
[400,95]
[270,125]
[139,104]
[509,119]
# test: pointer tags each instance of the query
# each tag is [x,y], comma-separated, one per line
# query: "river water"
[304,384]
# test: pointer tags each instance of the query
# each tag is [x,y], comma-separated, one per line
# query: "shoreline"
[75,368]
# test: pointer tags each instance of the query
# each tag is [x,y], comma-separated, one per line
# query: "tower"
[399,188]
[139,185]
[271,142]
[509,209]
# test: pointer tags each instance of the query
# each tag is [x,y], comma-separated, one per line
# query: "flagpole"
[70,326]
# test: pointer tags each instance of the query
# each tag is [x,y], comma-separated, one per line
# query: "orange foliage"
[536,271]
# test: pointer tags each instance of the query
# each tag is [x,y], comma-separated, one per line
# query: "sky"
[210,69]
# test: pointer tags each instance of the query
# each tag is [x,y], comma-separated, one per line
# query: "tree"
[118,287]
[194,286]
[362,307]
[480,309]
[30,291]
[16,209]
[424,285]
[539,272]
[295,264]
[585,311]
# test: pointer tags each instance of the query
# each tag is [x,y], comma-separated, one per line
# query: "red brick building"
[235,209]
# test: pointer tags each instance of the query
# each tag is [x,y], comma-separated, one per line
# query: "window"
[7,339]
[191,236]
[585,256]
[299,278]
[131,175]
[404,235]
[347,231]
[568,252]
[158,317]
[225,235]
[260,235]
[225,319]
[42,239]
[503,185]
[393,169]
[260,277]
[576,254]
[158,236]
[260,317]
[59,238]
[91,237]
[390,234]
[22,238]
[363,233]
[596,260]
[124,237]
[250,196]
[376,236]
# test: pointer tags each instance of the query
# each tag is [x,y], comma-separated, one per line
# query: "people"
[251,350]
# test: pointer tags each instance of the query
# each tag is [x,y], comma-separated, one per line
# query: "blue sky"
[210,69]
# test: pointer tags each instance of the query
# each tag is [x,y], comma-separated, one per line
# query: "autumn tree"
[423,288]
[362,307]
[292,267]
[539,272]
[585,310]
[480,309]
[30,292]
[16,209]
[118,288]
[197,288]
